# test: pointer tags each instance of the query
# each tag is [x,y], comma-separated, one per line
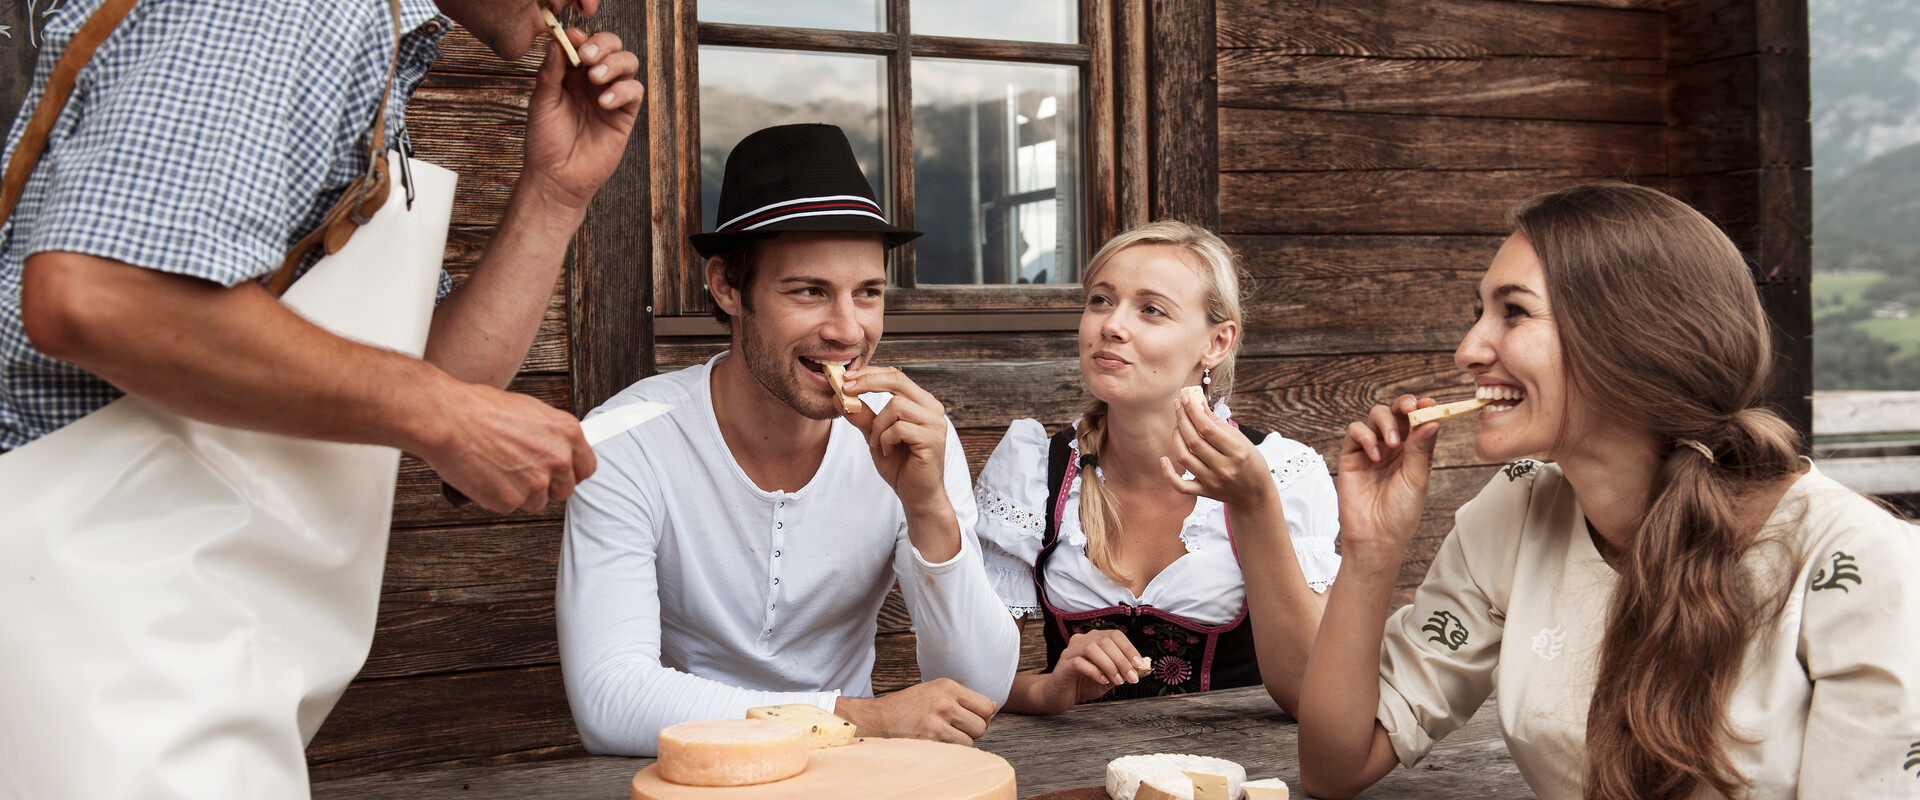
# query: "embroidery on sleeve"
[1843,570]
[1295,466]
[1913,759]
[1519,469]
[1004,510]
[1447,629]
[1546,643]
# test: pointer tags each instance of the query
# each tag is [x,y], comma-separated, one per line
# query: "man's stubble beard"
[774,371]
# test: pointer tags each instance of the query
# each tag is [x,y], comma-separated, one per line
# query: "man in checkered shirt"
[205,138]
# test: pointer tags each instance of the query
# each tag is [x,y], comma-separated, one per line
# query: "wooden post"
[1183,145]
[1739,148]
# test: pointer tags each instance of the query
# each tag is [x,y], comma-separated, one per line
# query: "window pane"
[1019,20]
[745,89]
[997,172]
[843,15]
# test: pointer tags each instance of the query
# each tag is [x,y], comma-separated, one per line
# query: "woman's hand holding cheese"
[1092,664]
[1382,482]
[908,441]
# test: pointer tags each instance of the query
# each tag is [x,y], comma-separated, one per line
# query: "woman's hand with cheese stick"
[1091,665]
[1382,483]
[908,441]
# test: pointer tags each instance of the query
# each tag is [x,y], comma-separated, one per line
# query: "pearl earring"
[1206,377]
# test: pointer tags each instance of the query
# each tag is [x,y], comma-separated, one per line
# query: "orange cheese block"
[732,752]
[870,769]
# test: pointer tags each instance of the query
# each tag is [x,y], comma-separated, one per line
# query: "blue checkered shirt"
[203,139]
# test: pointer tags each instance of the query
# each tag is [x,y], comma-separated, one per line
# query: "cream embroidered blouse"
[1203,586]
[1517,598]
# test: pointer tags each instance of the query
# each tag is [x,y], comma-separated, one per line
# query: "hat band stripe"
[856,212]
[785,212]
[797,201]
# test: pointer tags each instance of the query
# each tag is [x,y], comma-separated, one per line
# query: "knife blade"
[596,429]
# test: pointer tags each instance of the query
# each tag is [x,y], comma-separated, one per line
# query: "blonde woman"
[1154,526]
[1678,605]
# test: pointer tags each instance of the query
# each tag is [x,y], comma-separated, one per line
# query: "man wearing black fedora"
[735,552]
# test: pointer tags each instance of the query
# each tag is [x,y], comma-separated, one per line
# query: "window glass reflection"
[745,89]
[1018,20]
[997,171]
[843,15]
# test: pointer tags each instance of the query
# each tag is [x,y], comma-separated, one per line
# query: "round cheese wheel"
[1125,773]
[732,752]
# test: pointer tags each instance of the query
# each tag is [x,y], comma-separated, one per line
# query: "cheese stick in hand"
[1423,416]
[560,35]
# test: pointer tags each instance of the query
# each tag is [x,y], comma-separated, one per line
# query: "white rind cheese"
[1169,773]
[1266,789]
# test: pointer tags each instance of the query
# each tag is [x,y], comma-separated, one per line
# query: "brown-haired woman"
[1676,606]
[1216,577]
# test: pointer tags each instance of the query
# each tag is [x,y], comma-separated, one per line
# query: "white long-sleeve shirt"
[687,592]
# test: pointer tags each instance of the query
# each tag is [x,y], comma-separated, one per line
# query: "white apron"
[181,603]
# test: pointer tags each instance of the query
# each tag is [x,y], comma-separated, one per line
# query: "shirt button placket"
[773,567]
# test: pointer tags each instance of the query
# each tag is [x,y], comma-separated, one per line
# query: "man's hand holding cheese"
[736,551]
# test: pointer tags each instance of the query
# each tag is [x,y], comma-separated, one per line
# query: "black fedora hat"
[795,178]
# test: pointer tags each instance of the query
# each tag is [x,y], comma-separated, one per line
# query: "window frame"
[1112,56]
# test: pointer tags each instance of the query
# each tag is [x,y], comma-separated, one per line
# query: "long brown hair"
[1220,272]
[1661,327]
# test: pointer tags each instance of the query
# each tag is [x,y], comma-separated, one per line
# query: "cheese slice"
[1210,786]
[837,378]
[1169,772]
[1423,416]
[1161,787]
[1266,789]
[732,752]
[823,729]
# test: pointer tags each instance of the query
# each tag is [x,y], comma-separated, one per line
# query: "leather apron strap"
[356,205]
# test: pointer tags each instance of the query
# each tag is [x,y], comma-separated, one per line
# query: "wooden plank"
[417,501]
[384,725]
[610,283]
[1001,50]
[1019,297]
[1875,475]
[1708,30]
[1381,312]
[1425,29]
[1447,490]
[421,559]
[444,631]
[1183,147]
[1321,141]
[476,126]
[1130,61]
[1048,753]
[1385,201]
[1629,91]
[1855,413]
[1296,257]
[1739,113]
[899,142]
[1102,203]
[1767,212]
[872,42]
[1789,308]
[461,54]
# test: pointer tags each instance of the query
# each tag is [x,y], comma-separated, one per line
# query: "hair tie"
[1089,460]
[1698,447]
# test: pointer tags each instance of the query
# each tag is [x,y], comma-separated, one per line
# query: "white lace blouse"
[1204,586]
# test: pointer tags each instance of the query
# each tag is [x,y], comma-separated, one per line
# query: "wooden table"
[1048,754]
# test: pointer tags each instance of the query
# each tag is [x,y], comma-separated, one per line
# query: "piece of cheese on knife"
[823,729]
[1266,789]
[732,752]
[837,378]
[1422,416]
[1169,772]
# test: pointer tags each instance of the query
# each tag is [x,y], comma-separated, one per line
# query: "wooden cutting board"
[1082,793]
[868,769]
